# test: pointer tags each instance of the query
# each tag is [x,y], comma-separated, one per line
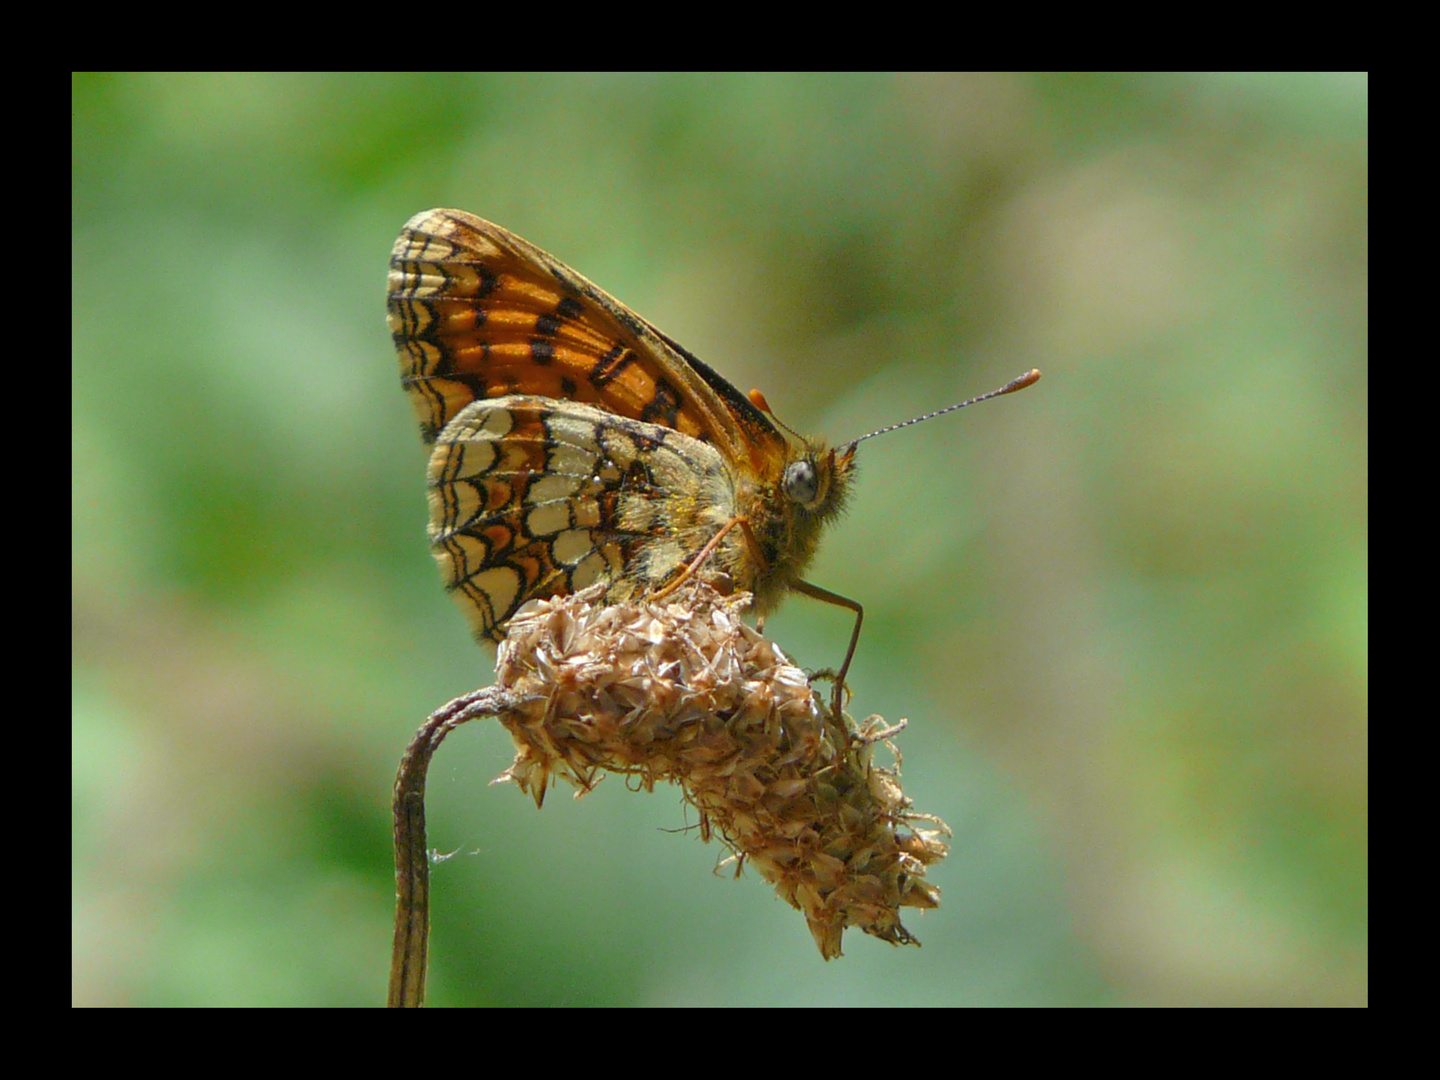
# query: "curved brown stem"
[408,959]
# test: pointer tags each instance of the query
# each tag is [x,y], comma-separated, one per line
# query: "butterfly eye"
[801,482]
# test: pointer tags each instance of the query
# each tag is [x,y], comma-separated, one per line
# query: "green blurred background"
[1125,612]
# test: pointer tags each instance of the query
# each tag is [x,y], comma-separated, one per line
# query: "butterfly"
[575,443]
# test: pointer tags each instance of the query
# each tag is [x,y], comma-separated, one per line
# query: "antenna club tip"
[1028,379]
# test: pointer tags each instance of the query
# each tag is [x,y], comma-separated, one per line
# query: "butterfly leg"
[829,597]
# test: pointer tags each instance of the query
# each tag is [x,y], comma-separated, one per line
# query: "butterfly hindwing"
[533,497]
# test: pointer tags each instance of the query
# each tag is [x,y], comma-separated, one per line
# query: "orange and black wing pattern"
[477,312]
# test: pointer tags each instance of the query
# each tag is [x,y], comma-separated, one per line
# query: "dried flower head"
[684,691]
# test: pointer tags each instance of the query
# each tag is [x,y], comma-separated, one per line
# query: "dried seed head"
[684,691]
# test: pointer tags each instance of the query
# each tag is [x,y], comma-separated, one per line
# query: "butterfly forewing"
[477,312]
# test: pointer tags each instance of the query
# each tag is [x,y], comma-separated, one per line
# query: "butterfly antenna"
[1010,387]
